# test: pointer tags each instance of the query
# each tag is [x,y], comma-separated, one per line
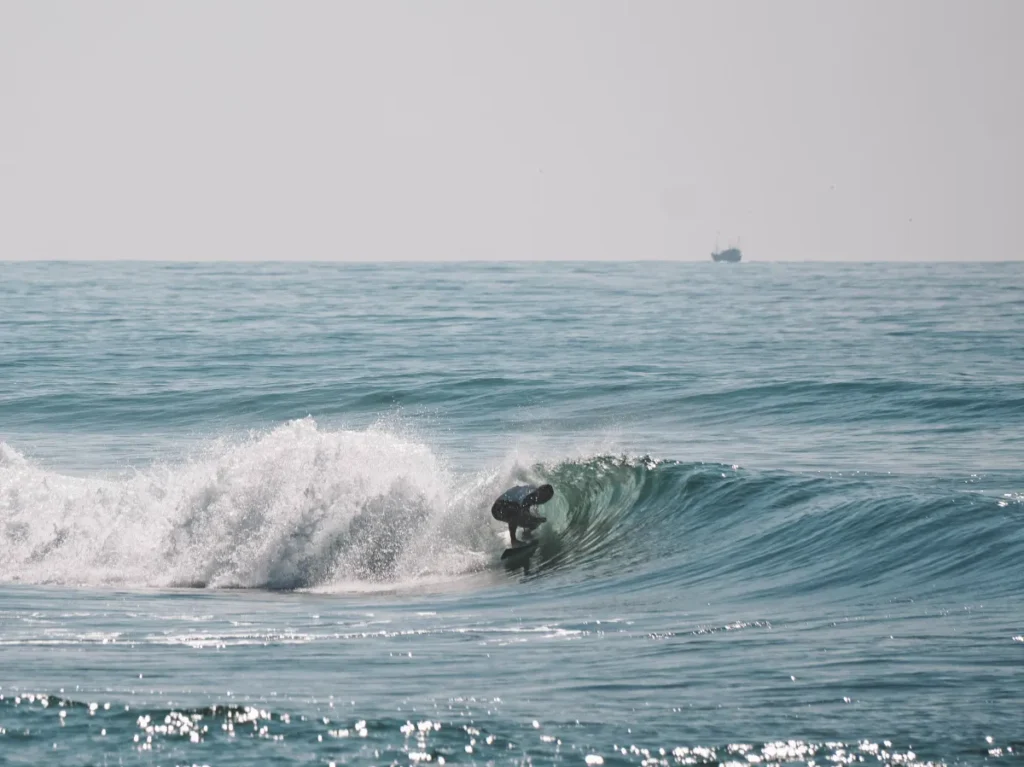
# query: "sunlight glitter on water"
[429,740]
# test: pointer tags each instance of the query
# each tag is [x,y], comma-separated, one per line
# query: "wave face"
[301,507]
[775,533]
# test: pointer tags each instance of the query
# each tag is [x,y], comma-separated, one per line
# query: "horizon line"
[476,261]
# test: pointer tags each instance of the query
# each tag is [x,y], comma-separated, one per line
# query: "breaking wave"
[303,507]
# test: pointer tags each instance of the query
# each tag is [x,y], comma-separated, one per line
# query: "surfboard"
[522,550]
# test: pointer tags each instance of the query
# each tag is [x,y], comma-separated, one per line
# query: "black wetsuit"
[514,507]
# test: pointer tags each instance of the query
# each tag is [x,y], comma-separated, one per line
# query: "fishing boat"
[731,255]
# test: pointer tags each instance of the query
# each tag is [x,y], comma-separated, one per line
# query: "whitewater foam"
[293,507]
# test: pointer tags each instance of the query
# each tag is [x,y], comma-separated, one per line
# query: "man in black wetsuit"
[514,507]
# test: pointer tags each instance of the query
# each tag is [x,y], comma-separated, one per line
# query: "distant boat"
[732,255]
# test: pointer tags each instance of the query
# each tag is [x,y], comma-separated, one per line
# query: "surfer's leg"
[512,532]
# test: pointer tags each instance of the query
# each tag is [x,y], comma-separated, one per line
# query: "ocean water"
[244,513]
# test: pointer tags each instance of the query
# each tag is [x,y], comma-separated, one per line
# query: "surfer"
[514,507]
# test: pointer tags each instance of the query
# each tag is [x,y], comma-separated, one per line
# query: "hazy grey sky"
[862,130]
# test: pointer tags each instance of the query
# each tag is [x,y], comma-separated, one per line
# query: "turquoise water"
[244,513]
